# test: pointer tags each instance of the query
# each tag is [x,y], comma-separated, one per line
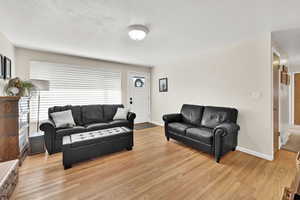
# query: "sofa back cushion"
[213,116]
[192,114]
[110,111]
[58,109]
[76,112]
[92,114]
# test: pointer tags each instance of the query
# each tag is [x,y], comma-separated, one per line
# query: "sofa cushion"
[119,123]
[213,116]
[110,111]
[97,126]
[60,132]
[76,112]
[58,109]
[192,114]
[178,127]
[92,114]
[121,114]
[202,134]
[63,119]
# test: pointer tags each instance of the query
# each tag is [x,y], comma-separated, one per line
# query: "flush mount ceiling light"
[283,61]
[137,32]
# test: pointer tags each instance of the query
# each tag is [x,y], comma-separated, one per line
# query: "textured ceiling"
[98,28]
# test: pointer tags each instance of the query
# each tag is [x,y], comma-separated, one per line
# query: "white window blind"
[74,85]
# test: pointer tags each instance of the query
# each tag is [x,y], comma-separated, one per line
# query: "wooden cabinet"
[14,128]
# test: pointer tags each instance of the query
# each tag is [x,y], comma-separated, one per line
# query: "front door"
[297,99]
[139,95]
[276,70]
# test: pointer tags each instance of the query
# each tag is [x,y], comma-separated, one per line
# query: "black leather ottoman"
[88,145]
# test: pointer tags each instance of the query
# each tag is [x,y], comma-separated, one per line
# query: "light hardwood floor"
[157,169]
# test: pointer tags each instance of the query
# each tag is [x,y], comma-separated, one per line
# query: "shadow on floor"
[145,125]
[293,142]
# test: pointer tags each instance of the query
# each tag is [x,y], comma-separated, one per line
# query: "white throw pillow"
[63,119]
[121,113]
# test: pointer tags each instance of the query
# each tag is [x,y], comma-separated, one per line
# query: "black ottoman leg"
[67,166]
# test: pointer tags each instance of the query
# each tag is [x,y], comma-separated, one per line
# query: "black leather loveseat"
[86,118]
[209,129]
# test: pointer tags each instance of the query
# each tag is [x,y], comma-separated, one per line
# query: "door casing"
[275,103]
[296,107]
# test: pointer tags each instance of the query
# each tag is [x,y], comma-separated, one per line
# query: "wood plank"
[157,169]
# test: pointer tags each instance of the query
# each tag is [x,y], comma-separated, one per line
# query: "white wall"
[237,76]
[6,49]
[284,111]
[24,56]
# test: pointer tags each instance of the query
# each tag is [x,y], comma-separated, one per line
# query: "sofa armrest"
[131,116]
[172,118]
[226,128]
[225,138]
[48,127]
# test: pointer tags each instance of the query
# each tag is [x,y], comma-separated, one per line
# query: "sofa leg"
[67,166]
[217,159]
[233,149]
[168,138]
[129,148]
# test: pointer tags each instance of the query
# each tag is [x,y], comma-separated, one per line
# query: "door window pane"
[139,82]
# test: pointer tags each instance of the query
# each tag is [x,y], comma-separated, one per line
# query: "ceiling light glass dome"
[138,32]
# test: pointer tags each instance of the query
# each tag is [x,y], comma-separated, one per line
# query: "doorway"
[276,82]
[297,99]
[283,45]
[293,137]
[139,95]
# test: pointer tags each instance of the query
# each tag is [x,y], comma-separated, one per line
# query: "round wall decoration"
[138,83]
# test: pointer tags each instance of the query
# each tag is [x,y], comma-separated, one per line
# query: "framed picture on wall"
[163,85]
[1,67]
[7,68]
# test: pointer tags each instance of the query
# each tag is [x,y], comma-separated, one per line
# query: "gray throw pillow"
[121,113]
[63,119]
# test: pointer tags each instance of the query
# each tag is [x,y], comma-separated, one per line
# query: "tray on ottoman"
[87,145]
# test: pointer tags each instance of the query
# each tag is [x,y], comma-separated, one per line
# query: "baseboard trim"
[157,123]
[255,153]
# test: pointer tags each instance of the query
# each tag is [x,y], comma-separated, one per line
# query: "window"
[74,85]
[138,81]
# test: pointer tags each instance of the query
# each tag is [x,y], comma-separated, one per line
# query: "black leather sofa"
[206,128]
[87,118]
